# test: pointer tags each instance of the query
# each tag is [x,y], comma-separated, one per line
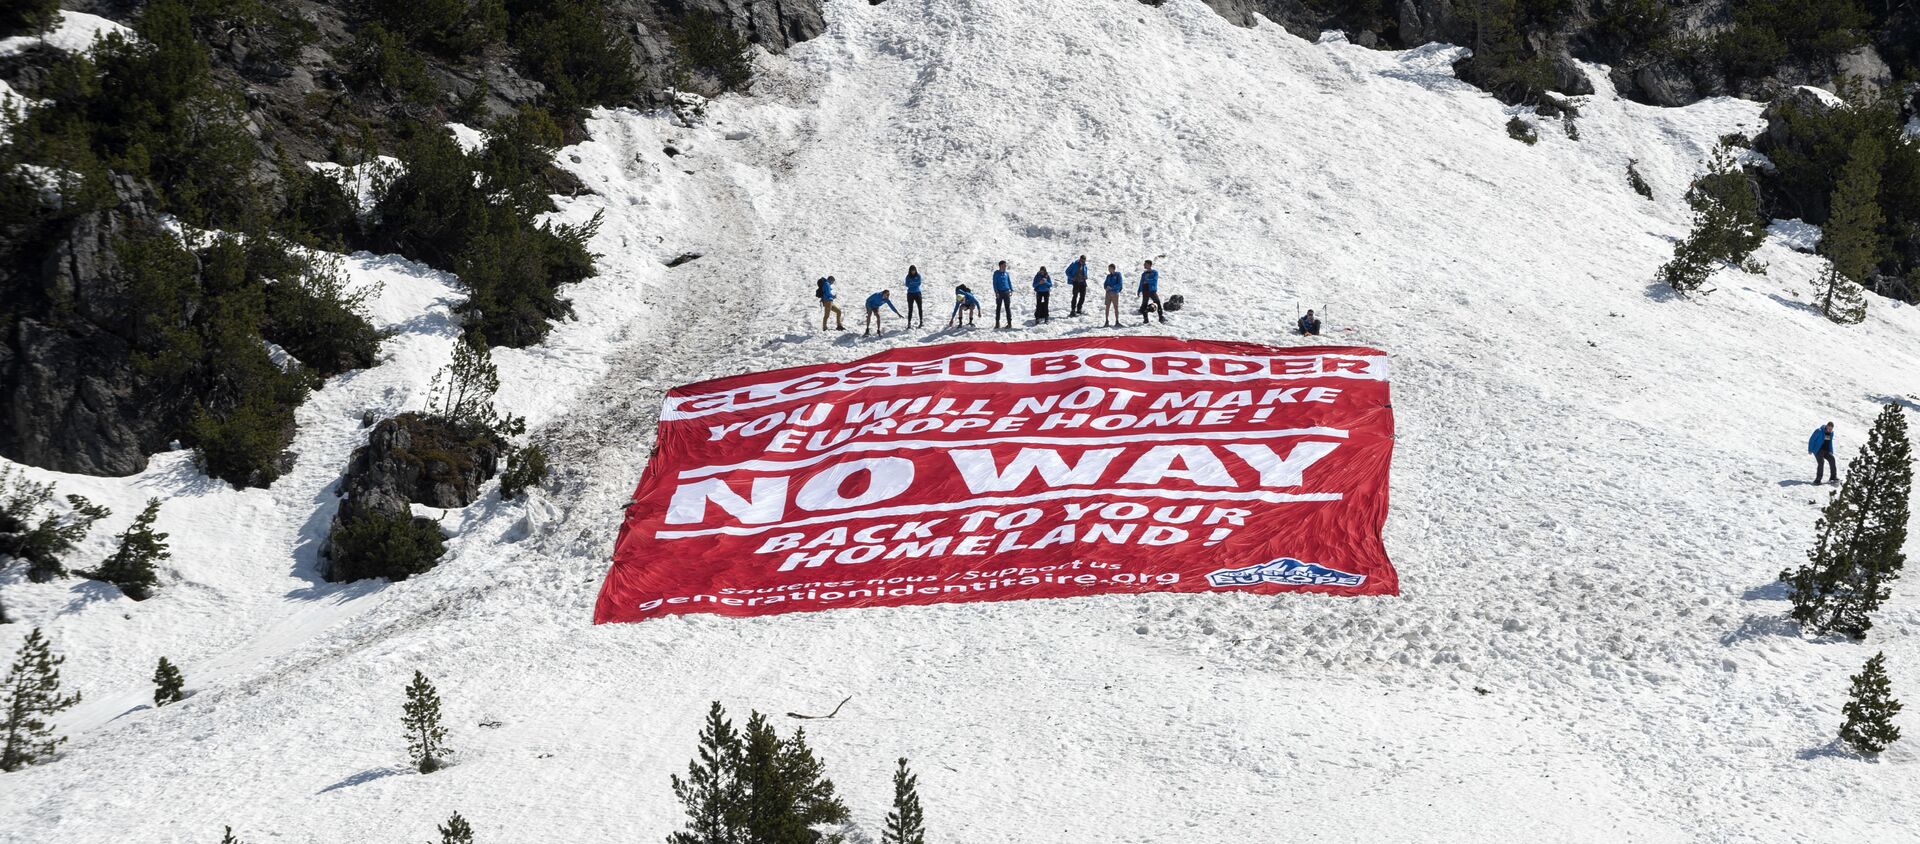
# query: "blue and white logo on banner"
[1287,571]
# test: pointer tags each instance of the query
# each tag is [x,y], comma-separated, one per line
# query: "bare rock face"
[416,459]
[70,396]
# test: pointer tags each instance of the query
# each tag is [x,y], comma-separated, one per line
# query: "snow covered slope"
[1593,485]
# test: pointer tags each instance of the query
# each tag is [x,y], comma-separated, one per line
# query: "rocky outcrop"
[417,459]
[73,401]
[409,459]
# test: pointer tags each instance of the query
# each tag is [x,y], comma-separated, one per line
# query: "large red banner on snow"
[996,471]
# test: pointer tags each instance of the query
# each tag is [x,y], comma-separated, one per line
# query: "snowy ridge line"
[890,445]
[697,405]
[1204,495]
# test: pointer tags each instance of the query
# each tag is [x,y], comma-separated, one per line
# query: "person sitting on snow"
[1310,324]
[873,311]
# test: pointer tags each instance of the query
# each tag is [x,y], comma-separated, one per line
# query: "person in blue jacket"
[1002,295]
[1114,283]
[1042,290]
[1150,293]
[1309,325]
[964,302]
[1077,279]
[873,311]
[1820,445]
[913,297]
[823,290]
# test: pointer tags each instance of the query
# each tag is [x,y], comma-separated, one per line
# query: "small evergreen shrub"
[168,683]
[246,446]
[1522,131]
[711,50]
[131,567]
[1765,32]
[450,29]
[29,699]
[32,529]
[571,47]
[526,467]
[379,61]
[312,316]
[1727,226]
[483,228]
[420,718]
[395,546]
[1838,299]
[456,831]
[1870,708]
[462,394]
[1636,181]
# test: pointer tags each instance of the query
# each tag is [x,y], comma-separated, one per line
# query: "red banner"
[996,471]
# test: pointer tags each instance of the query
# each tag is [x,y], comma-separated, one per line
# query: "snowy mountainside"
[1591,484]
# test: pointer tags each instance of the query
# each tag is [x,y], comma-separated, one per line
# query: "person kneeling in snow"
[873,310]
[1820,445]
[964,302]
[1310,324]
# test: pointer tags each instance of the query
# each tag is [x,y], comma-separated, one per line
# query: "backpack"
[1175,302]
[820,288]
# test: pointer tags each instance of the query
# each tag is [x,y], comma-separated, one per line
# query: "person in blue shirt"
[1002,295]
[1077,279]
[964,302]
[1150,293]
[873,311]
[823,290]
[913,297]
[1820,445]
[1042,289]
[1114,283]
[1309,325]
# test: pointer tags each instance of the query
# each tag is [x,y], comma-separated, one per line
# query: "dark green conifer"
[456,831]
[168,683]
[1870,709]
[905,823]
[32,697]
[1856,554]
[426,738]
[132,565]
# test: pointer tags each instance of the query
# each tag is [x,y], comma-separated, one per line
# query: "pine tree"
[785,790]
[131,566]
[709,789]
[1852,238]
[1727,226]
[753,786]
[1839,299]
[32,530]
[1870,709]
[167,683]
[456,831]
[32,690]
[426,739]
[230,838]
[1856,554]
[905,824]
[462,393]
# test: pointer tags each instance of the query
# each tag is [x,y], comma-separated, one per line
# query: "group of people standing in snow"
[966,306]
